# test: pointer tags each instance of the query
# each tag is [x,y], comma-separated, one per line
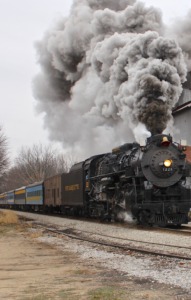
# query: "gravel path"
[174,272]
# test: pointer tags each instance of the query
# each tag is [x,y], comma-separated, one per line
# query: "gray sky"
[22,22]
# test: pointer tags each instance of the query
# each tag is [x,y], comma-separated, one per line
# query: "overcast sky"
[22,22]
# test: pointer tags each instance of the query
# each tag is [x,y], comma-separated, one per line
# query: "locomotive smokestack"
[107,70]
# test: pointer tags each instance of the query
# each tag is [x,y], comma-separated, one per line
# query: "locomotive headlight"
[168,163]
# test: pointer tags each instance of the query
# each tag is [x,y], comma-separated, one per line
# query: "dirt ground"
[33,270]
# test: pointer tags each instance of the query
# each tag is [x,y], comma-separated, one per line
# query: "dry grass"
[108,293]
[8,217]
[36,234]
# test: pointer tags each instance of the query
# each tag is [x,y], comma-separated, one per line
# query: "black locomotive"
[149,181]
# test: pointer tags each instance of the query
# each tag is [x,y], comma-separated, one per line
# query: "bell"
[165,142]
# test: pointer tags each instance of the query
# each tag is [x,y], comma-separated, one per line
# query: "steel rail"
[115,245]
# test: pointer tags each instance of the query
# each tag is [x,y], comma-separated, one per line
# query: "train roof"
[12,191]
[77,166]
[54,176]
[21,188]
[35,183]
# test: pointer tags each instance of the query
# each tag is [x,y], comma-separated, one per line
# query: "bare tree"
[36,164]
[4,160]
[13,179]
[65,162]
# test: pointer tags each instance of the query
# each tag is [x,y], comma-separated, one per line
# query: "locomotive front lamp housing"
[168,163]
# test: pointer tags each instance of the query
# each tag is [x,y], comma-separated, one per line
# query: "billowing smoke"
[181,31]
[108,75]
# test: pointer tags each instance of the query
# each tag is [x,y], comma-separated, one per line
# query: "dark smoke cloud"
[107,73]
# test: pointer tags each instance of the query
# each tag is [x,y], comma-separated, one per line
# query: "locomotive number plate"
[167,169]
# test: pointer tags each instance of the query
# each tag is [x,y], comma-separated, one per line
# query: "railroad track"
[167,248]
[122,244]
[184,230]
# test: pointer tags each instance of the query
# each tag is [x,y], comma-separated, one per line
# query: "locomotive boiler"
[149,181]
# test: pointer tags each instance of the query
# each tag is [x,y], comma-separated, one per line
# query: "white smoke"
[181,31]
[108,75]
[126,217]
[141,133]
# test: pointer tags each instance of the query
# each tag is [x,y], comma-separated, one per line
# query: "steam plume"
[181,31]
[107,75]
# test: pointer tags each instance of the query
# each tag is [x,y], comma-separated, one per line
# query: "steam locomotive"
[151,181]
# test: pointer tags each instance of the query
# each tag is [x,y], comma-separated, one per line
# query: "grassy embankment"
[8,219]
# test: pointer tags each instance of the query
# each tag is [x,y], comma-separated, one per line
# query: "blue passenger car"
[3,199]
[20,196]
[34,194]
[10,198]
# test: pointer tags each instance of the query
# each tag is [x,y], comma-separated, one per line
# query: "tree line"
[32,164]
